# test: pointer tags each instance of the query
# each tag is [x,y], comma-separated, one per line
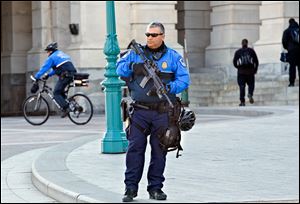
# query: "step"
[202,102]
[209,89]
[205,87]
[200,94]
[206,78]
[262,97]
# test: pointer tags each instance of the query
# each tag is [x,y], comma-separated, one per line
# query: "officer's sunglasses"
[153,34]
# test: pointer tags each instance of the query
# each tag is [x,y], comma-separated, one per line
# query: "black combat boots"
[157,194]
[129,195]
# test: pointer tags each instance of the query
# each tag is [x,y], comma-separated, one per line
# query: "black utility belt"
[159,106]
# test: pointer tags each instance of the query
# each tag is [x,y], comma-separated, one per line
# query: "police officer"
[149,120]
[60,64]
[292,45]
[246,62]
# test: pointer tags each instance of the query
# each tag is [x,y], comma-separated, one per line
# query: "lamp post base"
[111,145]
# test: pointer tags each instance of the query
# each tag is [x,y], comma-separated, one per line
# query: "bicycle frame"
[81,107]
[46,89]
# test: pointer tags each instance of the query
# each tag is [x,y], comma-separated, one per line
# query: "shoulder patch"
[182,62]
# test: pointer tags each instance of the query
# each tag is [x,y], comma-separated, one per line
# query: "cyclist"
[60,64]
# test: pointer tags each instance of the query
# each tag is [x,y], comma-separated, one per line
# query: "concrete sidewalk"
[252,155]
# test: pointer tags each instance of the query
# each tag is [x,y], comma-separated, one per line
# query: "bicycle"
[36,109]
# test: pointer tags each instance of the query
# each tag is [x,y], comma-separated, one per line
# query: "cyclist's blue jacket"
[58,62]
[169,63]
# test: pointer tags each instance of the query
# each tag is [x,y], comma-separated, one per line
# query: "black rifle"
[150,71]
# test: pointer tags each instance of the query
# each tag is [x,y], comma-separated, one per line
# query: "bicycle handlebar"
[32,78]
[36,80]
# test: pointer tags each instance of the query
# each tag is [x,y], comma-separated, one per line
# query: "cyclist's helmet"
[187,120]
[51,47]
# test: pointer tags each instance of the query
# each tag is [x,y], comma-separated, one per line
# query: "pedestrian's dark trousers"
[294,62]
[135,157]
[244,79]
[59,91]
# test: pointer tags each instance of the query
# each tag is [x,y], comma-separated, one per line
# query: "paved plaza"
[240,154]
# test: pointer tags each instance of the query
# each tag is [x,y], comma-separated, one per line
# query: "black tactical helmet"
[186,120]
[170,138]
[51,47]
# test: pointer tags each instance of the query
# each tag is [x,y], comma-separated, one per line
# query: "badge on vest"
[164,65]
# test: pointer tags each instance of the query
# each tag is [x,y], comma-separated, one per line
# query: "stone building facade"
[207,32]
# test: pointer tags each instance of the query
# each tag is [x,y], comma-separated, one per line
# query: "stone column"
[60,23]
[42,34]
[86,48]
[143,12]
[15,42]
[274,16]
[231,21]
[17,35]
[194,27]
[123,22]
[50,21]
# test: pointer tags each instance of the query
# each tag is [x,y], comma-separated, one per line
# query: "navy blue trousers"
[59,91]
[135,156]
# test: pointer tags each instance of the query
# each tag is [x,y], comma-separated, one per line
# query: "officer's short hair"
[155,24]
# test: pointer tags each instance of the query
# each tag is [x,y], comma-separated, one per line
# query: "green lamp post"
[185,94]
[114,139]
[185,98]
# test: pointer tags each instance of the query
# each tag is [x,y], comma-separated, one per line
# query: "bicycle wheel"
[36,110]
[82,109]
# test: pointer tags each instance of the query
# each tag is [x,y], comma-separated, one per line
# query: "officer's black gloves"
[126,79]
[168,88]
[45,77]
[152,92]
[138,68]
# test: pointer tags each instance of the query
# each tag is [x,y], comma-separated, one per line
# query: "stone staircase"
[208,89]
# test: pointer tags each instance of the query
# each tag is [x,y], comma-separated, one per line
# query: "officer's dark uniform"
[149,121]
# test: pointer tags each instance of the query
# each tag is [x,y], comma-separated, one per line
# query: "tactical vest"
[139,94]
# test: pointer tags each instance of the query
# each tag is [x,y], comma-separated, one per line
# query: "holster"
[124,109]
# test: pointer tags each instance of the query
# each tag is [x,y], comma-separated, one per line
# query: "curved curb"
[45,176]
